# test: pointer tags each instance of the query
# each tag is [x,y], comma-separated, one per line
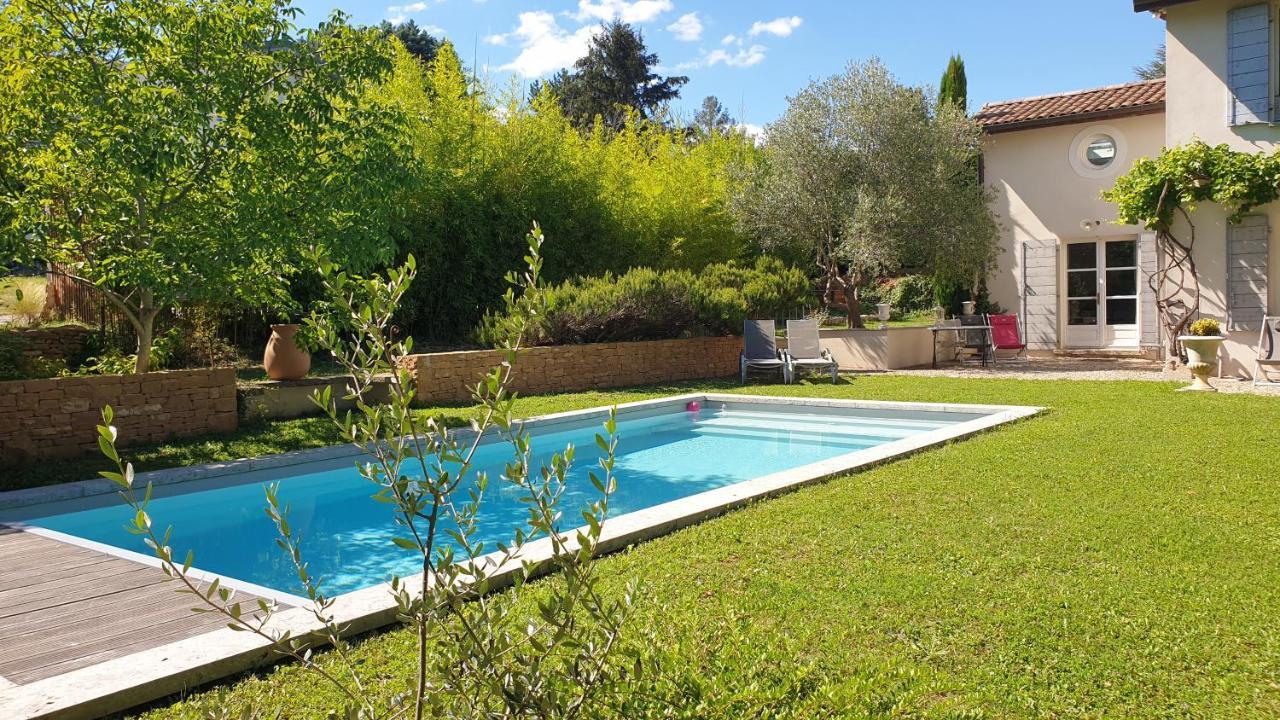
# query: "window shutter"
[1247,243]
[1148,313]
[1249,63]
[1040,293]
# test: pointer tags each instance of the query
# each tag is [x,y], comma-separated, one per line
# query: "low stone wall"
[56,417]
[62,342]
[889,349]
[280,399]
[449,377]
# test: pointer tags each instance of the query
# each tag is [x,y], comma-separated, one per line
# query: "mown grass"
[1117,556]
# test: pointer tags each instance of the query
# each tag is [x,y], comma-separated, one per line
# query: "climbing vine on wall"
[1157,193]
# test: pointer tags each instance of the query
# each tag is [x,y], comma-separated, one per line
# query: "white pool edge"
[141,677]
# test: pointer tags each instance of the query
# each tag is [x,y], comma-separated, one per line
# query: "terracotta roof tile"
[1114,101]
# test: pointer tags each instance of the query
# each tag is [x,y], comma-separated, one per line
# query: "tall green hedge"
[608,201]
[647,304]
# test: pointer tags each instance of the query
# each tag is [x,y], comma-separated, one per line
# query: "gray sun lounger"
[1266,368]
[805,353]
[760,349]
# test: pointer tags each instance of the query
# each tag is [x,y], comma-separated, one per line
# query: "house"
[1078,279]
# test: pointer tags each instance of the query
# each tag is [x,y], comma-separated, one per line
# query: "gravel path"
[1087,369]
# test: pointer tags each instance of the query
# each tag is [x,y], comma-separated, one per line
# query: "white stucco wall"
[1197,108]
[1197,100]
[1041,197]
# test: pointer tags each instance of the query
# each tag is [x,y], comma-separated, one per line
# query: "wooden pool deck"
[64,607]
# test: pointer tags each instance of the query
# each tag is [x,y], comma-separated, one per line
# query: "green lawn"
[1117,556]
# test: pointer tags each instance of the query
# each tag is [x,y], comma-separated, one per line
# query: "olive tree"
[866,176]
[167,152]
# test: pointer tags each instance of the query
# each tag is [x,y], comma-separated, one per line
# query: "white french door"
[1102,294]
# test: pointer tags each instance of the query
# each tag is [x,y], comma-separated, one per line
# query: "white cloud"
[745,57]
[401,10]
[730,39]
[639,11]
[782,27]
[687,27]
[544,45]
[755,132]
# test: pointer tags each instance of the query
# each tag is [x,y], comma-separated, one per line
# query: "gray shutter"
[1040,293]
[1149,317]
[1247,243]
[1249,64]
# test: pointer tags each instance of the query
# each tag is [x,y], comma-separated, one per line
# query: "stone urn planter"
[283,359]
[968,307]
[883,312]
[1202,360]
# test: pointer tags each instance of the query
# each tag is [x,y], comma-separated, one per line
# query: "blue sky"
[752,54]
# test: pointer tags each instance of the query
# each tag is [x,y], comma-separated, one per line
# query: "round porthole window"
[1100,151]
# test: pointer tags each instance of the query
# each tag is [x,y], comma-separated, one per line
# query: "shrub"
[907,294]
[17,365]
[646,304]
[1205,327]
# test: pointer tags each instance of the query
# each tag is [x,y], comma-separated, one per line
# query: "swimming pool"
[668,454]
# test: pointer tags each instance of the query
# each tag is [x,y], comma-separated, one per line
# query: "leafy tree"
[613,79]
[954,88]
[1154,69]
[712,117]
[865,176]
[416,40]
[169,152]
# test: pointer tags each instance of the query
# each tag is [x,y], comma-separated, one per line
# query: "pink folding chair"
[1006,337]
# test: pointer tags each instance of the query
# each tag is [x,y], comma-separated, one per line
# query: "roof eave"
[1109,114]
[1156,5]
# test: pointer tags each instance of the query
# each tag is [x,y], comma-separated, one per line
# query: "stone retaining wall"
[56,417]
[62,342]
[448,377]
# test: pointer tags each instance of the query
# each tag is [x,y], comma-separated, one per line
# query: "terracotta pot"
[283,359]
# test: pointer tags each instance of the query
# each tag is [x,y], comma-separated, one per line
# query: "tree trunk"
[853,306]
[145,329]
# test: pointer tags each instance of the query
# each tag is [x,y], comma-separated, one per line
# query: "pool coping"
[147,675]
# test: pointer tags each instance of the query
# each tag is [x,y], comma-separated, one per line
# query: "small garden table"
[958,329]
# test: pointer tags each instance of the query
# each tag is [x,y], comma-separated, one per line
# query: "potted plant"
[1201,342]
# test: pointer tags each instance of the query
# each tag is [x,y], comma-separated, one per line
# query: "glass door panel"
[1082,284]
[1121,291]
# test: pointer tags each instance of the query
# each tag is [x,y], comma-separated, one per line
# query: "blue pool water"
[662,456]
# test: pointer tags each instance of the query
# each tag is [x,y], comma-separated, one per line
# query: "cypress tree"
[954,87]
